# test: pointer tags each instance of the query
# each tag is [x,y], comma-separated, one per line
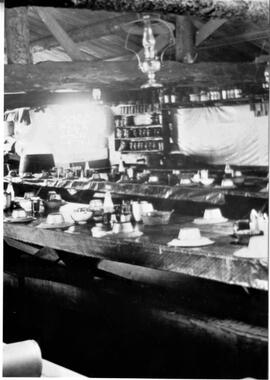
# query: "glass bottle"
[87,170]
[10,191]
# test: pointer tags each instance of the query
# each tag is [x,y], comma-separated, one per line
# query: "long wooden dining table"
[214,262]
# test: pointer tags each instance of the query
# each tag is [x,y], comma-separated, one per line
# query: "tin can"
[154,145]
[158,132]
[124,121]
[118,132]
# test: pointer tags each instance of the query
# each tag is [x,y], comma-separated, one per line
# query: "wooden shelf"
[208,103]
[143,138]
[142,151]
[142,126]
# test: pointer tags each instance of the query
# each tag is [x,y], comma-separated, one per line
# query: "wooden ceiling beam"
[17,36]
[61,36]
[87,33]
[243,37]
[242,9]
[84,75]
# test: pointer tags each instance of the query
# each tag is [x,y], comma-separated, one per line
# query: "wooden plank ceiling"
[234,40]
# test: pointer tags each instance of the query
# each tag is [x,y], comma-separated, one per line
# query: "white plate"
[209,221]
[245,252]
[99,232]
[61,226]
[240,233]
[194,243]
[133,234]
[25,219]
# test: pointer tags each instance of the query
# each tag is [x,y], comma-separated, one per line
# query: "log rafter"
[61,35]
[90,32]
[238,39]
[238,9]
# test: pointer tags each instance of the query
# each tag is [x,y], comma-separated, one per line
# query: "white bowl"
[81,215]
[185,181]
[196,178]
[26,204]
[67,210]
[96,205]
[146,207]
[227,182]
[153,179]
[207,181]
[19,213]
[156,217]
[238,173]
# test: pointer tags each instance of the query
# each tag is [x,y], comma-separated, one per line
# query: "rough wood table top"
[195,192]
[214,262]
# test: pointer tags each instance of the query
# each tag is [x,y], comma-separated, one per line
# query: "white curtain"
[72,132]
[223,134]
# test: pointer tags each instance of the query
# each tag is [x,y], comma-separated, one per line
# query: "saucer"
[257,248]
[207,181]
[247,253]
[133,234]
[210,221]
[61,226]
[203,241]
[98,233]
[25,219]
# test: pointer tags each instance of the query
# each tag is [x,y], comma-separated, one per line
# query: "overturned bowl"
[207,181]
[55,218]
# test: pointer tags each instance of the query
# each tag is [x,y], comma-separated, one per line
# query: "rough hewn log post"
[17,35]
[185,36]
